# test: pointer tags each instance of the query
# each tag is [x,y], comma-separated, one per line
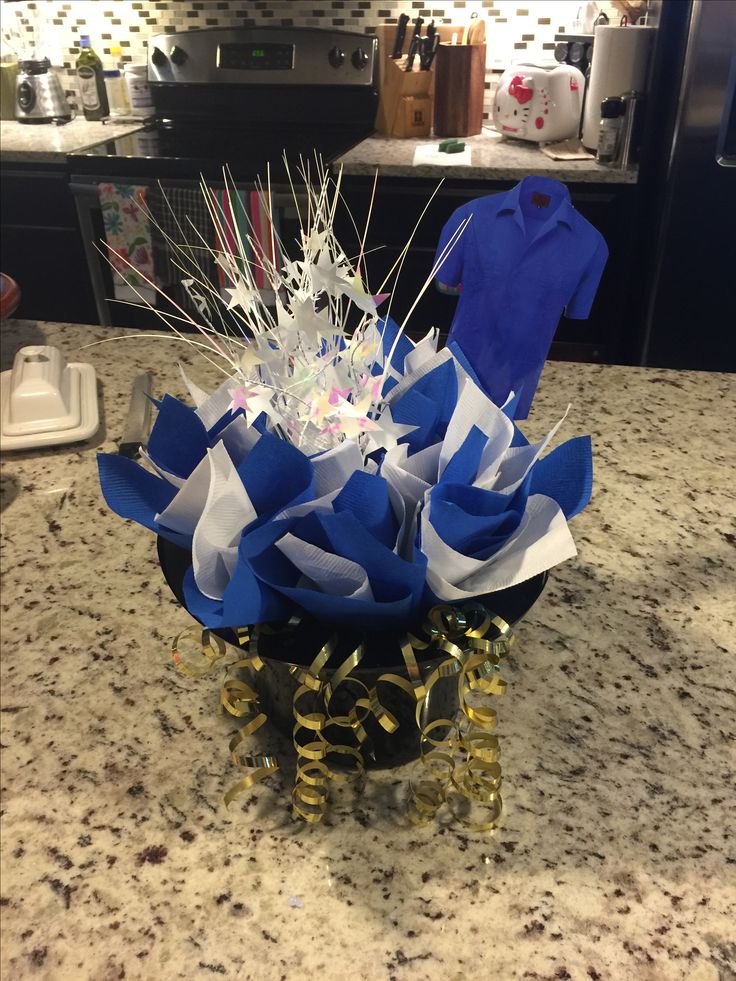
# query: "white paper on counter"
[429,153]
[197,394]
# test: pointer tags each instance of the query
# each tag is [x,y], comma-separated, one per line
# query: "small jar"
[117,94]
[612,111]
[139,93]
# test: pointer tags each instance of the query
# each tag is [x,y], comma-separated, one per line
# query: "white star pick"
[241,296]
[388,432]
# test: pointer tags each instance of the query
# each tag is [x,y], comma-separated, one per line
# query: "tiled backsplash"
[517,30]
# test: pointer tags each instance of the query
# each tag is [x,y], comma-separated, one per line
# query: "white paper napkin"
[429,153]
[330,573]
[541,541]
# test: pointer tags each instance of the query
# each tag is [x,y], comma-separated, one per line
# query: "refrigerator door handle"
[726,144]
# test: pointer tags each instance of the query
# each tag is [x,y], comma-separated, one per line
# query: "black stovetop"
[186,150]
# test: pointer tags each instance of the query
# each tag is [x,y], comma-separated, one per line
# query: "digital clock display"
[258,57]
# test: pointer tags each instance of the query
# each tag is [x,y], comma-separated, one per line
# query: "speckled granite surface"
[617,858]
[28,143]
[492,158]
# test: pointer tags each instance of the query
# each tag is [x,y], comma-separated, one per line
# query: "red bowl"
[9,296]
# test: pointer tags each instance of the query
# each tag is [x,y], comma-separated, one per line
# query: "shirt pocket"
[552,280]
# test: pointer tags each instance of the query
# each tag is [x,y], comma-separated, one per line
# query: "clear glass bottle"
[117,91]
[91,82]
[612,111]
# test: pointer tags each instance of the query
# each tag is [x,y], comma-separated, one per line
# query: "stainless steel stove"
[241,97]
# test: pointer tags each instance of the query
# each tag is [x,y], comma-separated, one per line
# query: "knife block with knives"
[406,95]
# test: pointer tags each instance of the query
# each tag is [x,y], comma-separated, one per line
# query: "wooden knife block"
[459,88]
[405,107]
[406,99]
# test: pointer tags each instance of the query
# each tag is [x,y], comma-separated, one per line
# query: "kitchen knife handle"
[430,50]
[415,42]
[400,35]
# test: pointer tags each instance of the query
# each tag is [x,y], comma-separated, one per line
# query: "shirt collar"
[545,185]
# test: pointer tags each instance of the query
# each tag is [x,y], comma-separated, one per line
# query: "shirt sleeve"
[450,272]
[579,304]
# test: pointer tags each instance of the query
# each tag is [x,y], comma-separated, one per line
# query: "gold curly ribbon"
[210,649]
[458,763]
[319,760]
[236,696]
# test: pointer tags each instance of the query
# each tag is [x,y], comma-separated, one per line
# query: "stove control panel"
[263,56]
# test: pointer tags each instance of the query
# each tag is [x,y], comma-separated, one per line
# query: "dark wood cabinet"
[41,247]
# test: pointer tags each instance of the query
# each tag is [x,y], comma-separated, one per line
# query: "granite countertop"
[492,158]
[617,854]
[46,143]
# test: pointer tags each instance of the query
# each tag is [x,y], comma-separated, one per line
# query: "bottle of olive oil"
[91,82]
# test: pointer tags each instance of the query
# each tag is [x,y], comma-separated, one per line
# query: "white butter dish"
[46,402]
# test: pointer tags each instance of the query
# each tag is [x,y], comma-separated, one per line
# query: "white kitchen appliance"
[620,64]
[542,105]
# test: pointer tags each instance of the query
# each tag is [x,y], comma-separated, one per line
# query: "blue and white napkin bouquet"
[349,474]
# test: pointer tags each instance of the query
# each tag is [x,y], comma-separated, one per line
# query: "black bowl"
[280,651]
[300,646]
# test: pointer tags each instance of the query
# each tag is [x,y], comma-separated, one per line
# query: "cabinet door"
[50,268]
[42,248]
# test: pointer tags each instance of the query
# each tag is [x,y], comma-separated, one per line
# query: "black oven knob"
[335,57]
[178,55]
[158,57]
[359,59]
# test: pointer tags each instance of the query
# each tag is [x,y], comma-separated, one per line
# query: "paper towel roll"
[620,63]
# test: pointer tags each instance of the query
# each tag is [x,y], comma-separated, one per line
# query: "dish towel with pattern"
[128,236]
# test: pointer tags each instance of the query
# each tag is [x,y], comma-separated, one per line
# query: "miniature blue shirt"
[525,256]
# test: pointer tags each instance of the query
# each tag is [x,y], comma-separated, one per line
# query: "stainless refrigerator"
[690,309]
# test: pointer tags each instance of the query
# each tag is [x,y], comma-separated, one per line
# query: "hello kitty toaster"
[539,104]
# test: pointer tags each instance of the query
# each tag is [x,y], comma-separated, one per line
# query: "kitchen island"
[616,857]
